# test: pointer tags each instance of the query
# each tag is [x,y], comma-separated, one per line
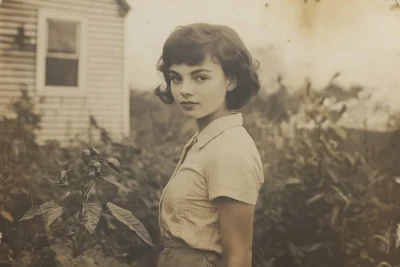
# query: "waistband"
[173,242]
[177,243]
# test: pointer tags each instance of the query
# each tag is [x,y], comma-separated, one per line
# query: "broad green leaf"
[52,214]
[63,252]
[31,213]
[111,179]
[131,221]
[114,164]
[91,214]
[50,211]
[48,206]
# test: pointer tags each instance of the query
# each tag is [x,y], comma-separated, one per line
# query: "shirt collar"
[217,126]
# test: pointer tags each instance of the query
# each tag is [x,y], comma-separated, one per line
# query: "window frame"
[45,14]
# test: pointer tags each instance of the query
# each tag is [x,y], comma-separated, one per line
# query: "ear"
[232,83]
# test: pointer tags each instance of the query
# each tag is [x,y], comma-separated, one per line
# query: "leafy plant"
[81,205]
[324,204]
[18,147]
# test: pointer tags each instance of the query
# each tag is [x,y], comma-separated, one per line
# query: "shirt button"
[195,140]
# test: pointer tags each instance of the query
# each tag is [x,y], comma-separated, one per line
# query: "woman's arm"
[236,223]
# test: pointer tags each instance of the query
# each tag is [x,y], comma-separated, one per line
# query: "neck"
[206,120]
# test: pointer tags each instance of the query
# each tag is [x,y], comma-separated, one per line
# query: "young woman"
[206,210]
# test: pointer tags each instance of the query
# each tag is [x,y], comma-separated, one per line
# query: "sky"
[358,38]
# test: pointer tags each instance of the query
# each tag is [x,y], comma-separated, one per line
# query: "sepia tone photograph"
[213,133]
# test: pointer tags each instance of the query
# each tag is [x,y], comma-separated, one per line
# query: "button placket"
[186,149]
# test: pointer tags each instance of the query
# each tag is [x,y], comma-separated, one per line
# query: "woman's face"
[199,90]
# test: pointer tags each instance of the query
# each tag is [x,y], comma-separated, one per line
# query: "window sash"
[42,55]
[63,22]
[62,56]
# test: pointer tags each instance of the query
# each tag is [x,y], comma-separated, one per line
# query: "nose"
[186,90]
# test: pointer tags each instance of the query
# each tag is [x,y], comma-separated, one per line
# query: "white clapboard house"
[70,54]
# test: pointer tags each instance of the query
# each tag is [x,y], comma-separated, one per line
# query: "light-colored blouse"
[221,160]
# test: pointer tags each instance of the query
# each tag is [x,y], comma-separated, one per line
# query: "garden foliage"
[327,199]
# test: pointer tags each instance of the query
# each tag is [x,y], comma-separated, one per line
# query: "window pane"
[62,36]
[61,72]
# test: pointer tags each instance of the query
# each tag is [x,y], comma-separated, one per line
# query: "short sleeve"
[235,173]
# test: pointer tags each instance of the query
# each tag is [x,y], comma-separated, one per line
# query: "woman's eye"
[201,78]
[175,79]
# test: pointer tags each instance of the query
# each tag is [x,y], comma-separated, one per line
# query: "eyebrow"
[193,72]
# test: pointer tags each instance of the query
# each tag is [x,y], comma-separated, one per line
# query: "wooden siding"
[64,117]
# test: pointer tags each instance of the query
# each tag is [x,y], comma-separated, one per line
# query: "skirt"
[176,253]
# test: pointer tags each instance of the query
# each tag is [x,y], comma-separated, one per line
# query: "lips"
[188,102]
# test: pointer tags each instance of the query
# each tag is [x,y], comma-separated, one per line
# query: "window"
[61,52]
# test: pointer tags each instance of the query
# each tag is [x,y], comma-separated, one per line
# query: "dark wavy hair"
[190,44]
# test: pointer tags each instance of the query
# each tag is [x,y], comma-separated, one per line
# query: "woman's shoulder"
[235,140]
[234,150]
